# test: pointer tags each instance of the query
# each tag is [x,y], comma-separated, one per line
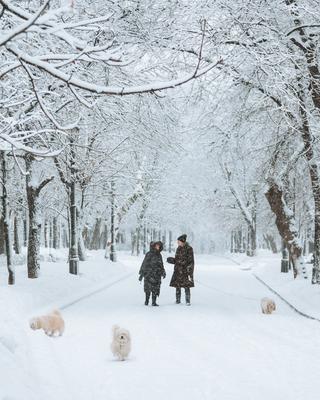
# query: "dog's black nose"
[121,337]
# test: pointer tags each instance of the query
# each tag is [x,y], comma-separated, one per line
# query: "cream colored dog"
[267,305]
[121,342]
[52,324]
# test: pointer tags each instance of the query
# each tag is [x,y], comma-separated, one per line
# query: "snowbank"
[299,292]
[55,288]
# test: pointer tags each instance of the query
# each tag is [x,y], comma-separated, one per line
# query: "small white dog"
[121,342]
[267,305]
[52,324]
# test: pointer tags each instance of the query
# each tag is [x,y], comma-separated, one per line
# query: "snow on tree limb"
[70,80]
[17,144]
[62,71]
[23,27]
[109,90]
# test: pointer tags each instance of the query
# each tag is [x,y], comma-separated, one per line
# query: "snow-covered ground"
[221,347]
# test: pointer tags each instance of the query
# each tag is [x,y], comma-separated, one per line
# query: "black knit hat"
[153,245]
[182,238]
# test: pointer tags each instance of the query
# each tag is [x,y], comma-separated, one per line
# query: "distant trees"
[102,159]
[272,72]
[58,65]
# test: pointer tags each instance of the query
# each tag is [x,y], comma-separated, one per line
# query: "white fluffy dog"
[121,342]
[267,305]
[52,324]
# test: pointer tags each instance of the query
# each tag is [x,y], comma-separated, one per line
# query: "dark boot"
[154,298]
[178,295]
[146,303]
[188,296]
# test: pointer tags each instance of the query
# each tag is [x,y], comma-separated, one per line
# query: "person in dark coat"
[152,270]
[183,269]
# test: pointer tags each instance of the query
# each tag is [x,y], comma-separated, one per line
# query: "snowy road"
[220,348]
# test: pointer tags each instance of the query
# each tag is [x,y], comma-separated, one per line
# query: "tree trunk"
[55,234]
[138,241]
[65,236]
[105,240]
[33,255]
[81,248]
[241,241]
[16,243]
[5,218]
[25,232]
[251,241]
[95,240]
[73,242]
[113,253]
[271,243]
[73,212]
[2,239]
[133,242]
[50,233]
[45,233]
[285,258]
[164,241]
[145,239]
[316,253]
[232,242]
[170,241]
[34,237]
[103,236]
[252,227]
[286,226]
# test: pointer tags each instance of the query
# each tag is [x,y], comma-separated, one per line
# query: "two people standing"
[152,270]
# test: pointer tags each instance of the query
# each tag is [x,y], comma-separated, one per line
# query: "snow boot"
[188,296]
[146,303]
[154,298]
[178,295]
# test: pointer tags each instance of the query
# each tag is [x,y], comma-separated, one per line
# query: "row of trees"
[87,133]
[82,128]
[264,131]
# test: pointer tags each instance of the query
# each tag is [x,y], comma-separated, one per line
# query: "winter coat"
[183,267]
[152,270]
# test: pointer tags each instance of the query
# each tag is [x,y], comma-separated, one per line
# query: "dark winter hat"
[182,238]
[154,244]
[160,245]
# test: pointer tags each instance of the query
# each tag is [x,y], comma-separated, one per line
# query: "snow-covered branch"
[110,90]
[23,27]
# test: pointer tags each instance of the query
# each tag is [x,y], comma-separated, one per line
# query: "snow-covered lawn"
[299,292]
[221,347]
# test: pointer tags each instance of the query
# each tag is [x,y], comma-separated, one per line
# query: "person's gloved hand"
[170,260]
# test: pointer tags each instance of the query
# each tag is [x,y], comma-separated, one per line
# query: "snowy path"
[221,347]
